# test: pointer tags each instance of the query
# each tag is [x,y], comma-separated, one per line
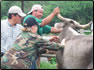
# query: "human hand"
[54,39]
[56,11]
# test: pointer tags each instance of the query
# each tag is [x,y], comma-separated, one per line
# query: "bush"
[53,61]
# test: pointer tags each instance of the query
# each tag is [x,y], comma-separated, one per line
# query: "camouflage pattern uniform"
[26,49]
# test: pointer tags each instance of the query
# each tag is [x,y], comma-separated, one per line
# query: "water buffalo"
[78,49]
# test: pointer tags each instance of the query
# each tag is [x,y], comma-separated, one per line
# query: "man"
[26,48]
[37,13]
[10,28]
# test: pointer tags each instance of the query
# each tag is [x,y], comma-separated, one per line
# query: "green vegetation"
[53,61]
[81,11]
[87,33]
[47,65]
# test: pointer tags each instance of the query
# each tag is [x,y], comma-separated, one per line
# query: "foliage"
[87,33]
[47,65]
[81,11]
[5,5]
[53,61]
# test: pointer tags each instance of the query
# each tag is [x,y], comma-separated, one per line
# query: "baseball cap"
[30,22]
[16,9]
[35,7]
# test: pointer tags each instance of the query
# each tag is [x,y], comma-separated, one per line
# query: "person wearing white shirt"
[92,26]
[10,28]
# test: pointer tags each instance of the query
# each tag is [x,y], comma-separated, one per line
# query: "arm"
[49,18]
[42,45]
[55,30]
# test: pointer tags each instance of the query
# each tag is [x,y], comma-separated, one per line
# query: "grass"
[87,33]
[47,65]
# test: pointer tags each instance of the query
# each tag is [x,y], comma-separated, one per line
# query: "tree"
[81,11]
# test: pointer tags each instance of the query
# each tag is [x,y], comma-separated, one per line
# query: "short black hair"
[10,15]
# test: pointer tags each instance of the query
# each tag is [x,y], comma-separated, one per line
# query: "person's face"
[34,29]
[17,19]
[39,13]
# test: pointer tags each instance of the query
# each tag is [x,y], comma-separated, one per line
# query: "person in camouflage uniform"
[26,48]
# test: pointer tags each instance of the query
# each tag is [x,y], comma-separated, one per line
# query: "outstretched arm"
[42,44]
[49,18]
[55,30]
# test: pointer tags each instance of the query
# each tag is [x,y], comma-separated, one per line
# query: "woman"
[26,48]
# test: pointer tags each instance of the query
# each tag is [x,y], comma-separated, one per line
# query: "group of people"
[21,44]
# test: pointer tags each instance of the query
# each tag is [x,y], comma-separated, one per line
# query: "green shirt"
[41,30]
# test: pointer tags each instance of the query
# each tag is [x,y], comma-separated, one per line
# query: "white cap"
[16,9]
[35,7]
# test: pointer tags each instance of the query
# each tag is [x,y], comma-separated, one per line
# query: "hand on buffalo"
[54,39]
[56,11]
